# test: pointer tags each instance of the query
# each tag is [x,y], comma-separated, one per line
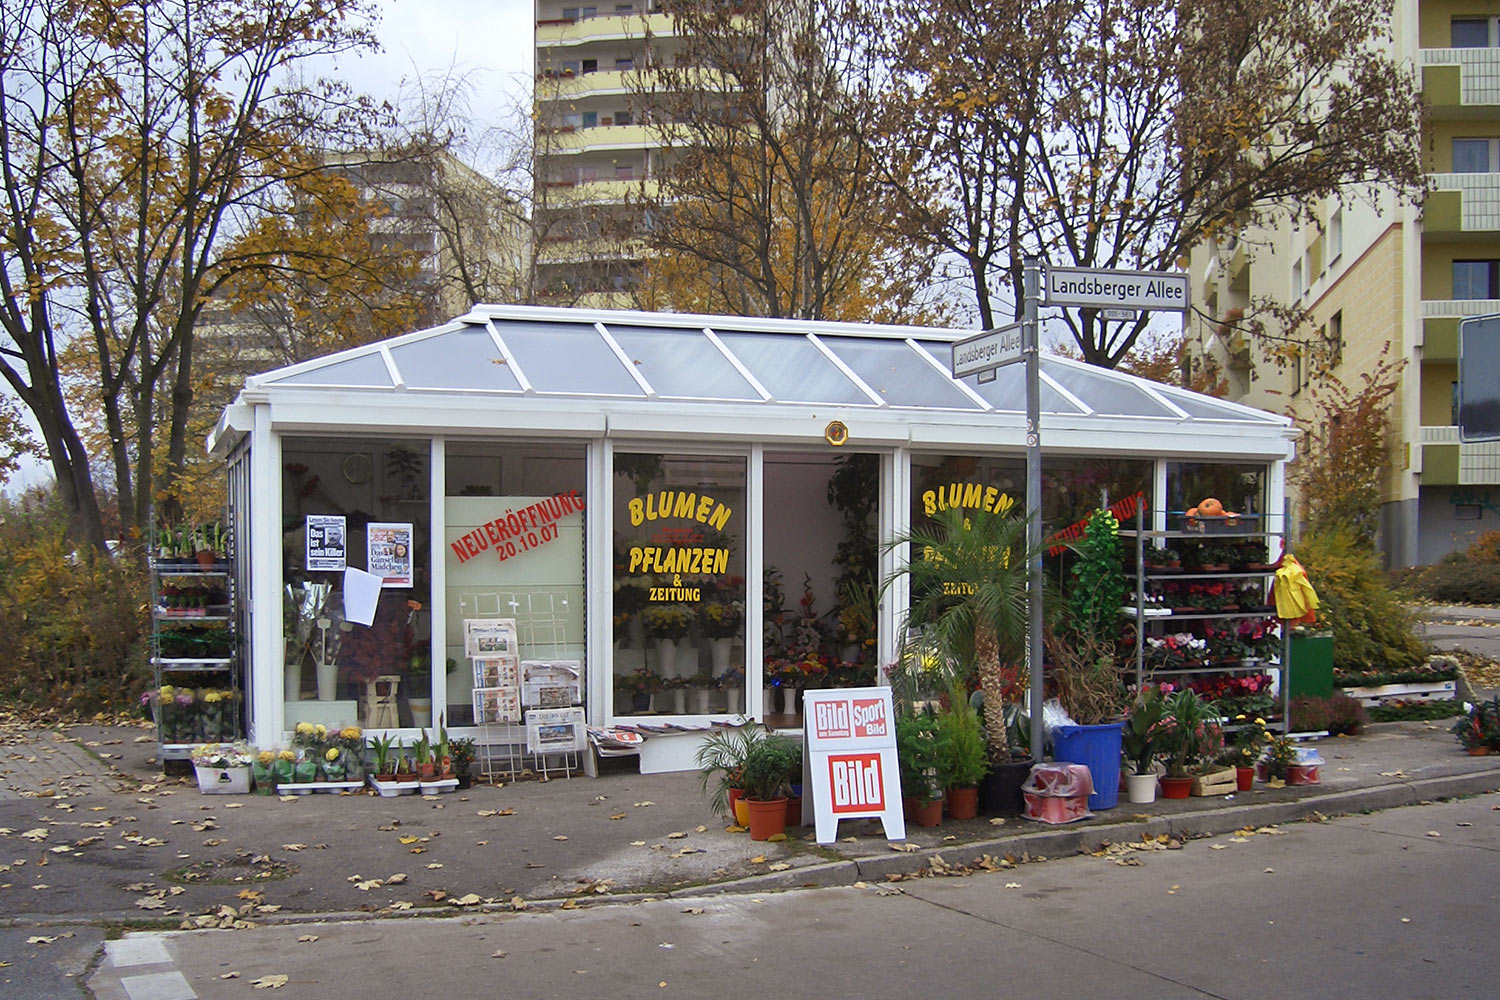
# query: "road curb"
[1065,841]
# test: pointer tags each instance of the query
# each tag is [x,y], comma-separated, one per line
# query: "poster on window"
[327,543]
[388,552]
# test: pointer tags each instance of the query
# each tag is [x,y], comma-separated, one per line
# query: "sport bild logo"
[856,783]
[857,718]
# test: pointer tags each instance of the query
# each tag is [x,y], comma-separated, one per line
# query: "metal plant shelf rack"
[221,670]
[1147,579]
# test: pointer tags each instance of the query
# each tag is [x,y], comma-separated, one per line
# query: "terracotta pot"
[1244,779]
[928,813]
[963,803]
[794,811]
[1483,751]
[205,557]
[1176,788]
[426,772]
[767,818]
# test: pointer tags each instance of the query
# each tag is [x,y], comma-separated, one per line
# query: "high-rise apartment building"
[1372,274]
[594,147]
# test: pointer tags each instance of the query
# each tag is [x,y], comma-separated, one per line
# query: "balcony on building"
[1447,461]
[1461,82]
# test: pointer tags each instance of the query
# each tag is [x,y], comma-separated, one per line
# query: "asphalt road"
[1398,903]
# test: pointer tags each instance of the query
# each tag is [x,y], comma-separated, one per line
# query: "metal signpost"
[1119,295]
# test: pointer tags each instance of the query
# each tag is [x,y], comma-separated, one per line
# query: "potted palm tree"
[721,768]
[968,577]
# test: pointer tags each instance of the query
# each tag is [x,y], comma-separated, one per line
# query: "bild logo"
[831,720]
[869,717]
[855,782]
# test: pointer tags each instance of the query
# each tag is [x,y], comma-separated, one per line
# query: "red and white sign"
[851,759]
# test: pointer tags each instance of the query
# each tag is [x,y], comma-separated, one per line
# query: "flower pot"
[679,701]
[292,679]
[718,651]
[1176,788]
[1302,774]
[421,712]
[205,557]
[1140,788]
[794,811]
[666,657]
[928,812]
[265,782]
[703,701]
[732,700]
[766,817]
[736,795]
[223,780]
[328,679]
[789,701]
[1244,779]
[963,803]
[640,701]
[768,704]
[1000,791]
[1483,751]
[1099,748]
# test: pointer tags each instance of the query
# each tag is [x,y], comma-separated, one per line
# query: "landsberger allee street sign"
[1154,291]
[987,351]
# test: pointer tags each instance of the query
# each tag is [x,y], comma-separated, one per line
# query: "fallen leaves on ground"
[273,982]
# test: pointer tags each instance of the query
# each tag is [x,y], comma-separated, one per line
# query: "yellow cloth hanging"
[1296,600]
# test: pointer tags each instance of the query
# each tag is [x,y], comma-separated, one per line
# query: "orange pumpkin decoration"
[1192,517]
[1210,507]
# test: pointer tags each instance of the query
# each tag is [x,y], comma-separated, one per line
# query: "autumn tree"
[765,203]
[136,139]
[1121,133]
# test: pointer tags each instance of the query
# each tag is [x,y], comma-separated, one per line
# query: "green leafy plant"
[962,761]
[968,576]
[1249,741]
[1142,735]
[1097,590]
[1190,733]
[721,762]
[919,756]
[771,766]
[463,750]
[1372,629]
[1479,726]
[383,746]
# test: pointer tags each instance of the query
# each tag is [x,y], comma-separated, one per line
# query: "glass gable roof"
[546,351]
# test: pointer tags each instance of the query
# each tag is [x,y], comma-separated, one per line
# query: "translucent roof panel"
[364,370]
[902,379]
[1208,409]
[682,364]
[1106,394]
[462,359]
[792,369]
[568,358]
[1008,391]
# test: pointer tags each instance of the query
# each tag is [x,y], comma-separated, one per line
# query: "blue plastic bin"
[1099,748]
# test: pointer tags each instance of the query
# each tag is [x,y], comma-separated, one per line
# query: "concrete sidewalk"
[85,839]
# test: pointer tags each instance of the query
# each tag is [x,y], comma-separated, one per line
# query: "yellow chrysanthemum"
[304,727]
[332,754]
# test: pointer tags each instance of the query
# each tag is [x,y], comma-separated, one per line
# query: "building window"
[1335,235]
[625,64]
[1473,32]
[1335,338]
[590,65]
[570,13]
[624,118]
[1467,512]
[590,119]
[1476,279]
[1296,369]
[1474,156]
[1297,284]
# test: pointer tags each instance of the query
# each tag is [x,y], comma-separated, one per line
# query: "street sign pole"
[1031,288]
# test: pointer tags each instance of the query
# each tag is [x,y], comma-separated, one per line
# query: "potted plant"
[1249,742]
[1161,558]
[425,768]
[263,772]
[1190,732]
[968,577]
[464,751]
[770,766]
[721,767]
[1140,741]
[1478,730]
[919,758]
[1277,760]
[962,763]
